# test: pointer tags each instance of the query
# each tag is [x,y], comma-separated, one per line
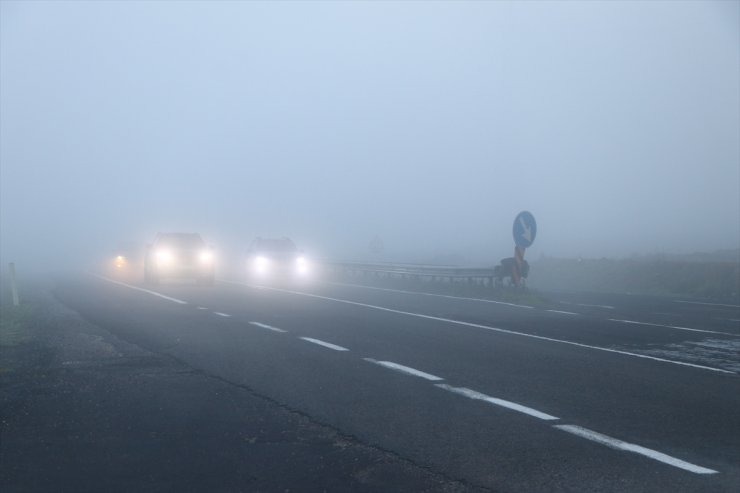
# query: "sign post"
[525,229]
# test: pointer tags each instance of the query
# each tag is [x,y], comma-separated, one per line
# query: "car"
[125,260]
[179,256]
[276,258]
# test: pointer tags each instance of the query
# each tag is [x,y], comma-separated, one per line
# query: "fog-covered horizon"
[428,124]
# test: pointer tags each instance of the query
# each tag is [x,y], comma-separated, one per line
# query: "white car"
[178,256]
[276,258]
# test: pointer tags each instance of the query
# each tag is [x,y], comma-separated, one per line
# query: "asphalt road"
[583,393]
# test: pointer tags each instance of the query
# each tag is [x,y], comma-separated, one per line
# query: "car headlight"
[301,265]
[164,256]
[261,264]
[206,257]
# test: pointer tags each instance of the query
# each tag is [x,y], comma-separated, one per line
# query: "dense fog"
[428,124]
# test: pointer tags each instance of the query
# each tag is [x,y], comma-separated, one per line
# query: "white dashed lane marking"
[480,326]
[148,291]
[564,313]
[637,449]
[405,369]
[472,394]
[325,344]
[268,327]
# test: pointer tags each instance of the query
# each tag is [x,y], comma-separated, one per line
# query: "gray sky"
[429,123]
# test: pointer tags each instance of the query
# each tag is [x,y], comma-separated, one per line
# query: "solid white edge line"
[709,304]
[405,369]
[486,327]
[637,449]
[325,344]
[634,322]
[268,327]
[221,314]
[154,293]
[563,312]
[472,394]
[421,293]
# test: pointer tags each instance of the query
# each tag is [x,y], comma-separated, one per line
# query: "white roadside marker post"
[13,286]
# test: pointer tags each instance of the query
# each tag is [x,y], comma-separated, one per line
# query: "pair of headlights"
[262,264]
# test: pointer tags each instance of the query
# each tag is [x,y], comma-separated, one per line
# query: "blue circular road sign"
[525,229]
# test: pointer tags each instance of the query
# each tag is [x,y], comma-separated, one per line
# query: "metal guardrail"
[485,276]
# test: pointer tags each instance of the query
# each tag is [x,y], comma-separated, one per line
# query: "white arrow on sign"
[527,235]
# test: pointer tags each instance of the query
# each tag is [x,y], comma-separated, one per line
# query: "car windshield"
[185,241]
[275,246]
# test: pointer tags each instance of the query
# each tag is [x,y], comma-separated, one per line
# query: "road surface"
[584,393]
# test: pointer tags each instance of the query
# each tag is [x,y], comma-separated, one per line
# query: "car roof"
[280,244]
[177,234]
[189,238]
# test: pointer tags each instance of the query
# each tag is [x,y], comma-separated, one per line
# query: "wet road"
[586,392]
